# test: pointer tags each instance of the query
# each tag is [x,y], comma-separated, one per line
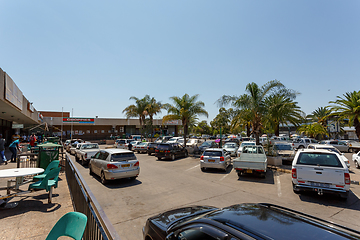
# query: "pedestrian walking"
[2,149]
[14,147]
[130,146]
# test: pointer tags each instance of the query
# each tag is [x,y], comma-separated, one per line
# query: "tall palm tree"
[321,115]
[253,101]
[281,109]
[348,107]
[137,110]
[312,130]
[152,108]
[186,109]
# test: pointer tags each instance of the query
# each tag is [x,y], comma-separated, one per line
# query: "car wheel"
[344,196]
[295,190]
[173,157]
[149,154]
[301,146]
[356,164]
[103,179]
[159,158]
[186,154]
[203,169]
[133,178]
[239,174]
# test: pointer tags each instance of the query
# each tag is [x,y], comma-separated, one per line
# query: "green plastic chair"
[52,165]
[50,180]
[72,224]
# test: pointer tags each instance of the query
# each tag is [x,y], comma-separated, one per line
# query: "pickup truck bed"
[252,160]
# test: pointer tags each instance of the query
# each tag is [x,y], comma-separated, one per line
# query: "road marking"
[278,186]
[223,177]
[192,167]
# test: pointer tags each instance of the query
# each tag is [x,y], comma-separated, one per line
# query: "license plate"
[210,160]
[248,171]
[316,184]
[161,151]
[125,165]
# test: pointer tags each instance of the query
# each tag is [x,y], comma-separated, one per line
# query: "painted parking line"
[192,167]
[278,183]
[224,177]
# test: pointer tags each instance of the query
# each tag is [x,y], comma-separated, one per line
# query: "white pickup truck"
[300,143]
[86,151]
[252,160]
[321,171]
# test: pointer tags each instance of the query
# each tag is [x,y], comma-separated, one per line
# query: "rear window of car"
[319,159]
[283,147]
[118,157]
[121,141]
[164,146]
[153,145]
[213,153]
[90,146]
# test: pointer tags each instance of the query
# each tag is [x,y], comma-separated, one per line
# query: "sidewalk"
[34,217]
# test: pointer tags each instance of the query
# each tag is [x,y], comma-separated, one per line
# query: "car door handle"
[318,172]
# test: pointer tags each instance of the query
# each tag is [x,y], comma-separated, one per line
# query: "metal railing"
[98,225]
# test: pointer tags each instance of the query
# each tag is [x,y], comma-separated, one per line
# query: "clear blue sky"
[93,55]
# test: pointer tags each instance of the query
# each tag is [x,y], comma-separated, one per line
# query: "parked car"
[232,148]
[284,150]
[151,148]
[321,171]
[85,152]
[330,148]
[245,143]
[74,147]
[141,147]
[299,143]
[72,141]
[241,221]
[163,139]
[208,144]
[133,144]
[215,158]
[354,146]
[123,143]
[252,160]
[179,140]
[170,150]
[194,141]
[114,163]
[341,145]
[356,159]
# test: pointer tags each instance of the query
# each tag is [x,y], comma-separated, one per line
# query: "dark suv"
[243,221]
[151,148]
[170,150]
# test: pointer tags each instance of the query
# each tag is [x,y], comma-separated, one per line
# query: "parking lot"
[166,184]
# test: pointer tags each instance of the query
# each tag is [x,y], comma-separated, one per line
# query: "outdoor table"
[19,173]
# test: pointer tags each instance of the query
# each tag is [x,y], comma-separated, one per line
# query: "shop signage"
[78,120]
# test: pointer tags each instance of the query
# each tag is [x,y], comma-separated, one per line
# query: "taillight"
[136,164]
[85,155]
[293,173]
[111,166]
[222,159]
[202,157]
[347,178]
[167,151]
[156,150]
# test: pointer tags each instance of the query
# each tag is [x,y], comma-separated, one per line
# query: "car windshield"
[206,144]
[90,146]
[230,145]
[191,141]
[143,144]
[213,153]
[118,157]
[283,147]
[253,149]
[319,159]
[121,141]
[163,146]
[247,144]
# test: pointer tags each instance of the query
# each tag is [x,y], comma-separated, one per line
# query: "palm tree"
[253,101]
[312,130]
[137,110]
[186,109]
[348,107]
[281,109]
[152,108]
[321,115]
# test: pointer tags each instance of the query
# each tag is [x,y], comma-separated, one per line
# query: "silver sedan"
[231,147]
[111,164]
[215,158]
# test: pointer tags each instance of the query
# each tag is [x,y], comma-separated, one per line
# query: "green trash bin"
[47,152]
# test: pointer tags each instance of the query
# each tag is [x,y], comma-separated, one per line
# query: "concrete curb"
[279,169]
